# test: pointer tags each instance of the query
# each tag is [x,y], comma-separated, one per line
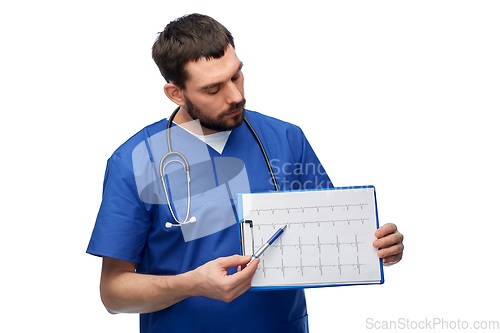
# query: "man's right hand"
[211,280]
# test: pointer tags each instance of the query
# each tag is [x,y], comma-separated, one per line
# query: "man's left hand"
[390,244]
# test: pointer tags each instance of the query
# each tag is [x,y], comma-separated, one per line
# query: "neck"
[183,119]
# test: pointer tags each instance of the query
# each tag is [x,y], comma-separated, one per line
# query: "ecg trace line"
[319,244]
[287,209]
[318,222]
[301,266]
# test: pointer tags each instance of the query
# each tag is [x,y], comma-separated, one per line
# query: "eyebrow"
[213,85]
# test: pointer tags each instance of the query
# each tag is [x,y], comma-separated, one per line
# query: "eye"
[213,91]
[235,78]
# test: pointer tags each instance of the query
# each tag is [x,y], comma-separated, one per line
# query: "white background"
[403,95]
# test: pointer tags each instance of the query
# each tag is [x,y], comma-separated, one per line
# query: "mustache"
[237,106]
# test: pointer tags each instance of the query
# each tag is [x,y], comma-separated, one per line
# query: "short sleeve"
[313,175]
[122,226]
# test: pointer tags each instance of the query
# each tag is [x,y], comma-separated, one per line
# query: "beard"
[221,122]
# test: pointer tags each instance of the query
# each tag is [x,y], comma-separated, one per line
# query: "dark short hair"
[189,38]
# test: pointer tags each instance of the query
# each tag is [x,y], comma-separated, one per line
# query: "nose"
[234,95]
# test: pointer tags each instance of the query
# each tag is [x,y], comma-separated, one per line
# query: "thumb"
[234,260]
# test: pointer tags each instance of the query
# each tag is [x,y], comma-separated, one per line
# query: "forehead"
[204,72]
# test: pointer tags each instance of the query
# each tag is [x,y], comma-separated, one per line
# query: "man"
[178,278]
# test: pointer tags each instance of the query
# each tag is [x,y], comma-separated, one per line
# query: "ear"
[174,93]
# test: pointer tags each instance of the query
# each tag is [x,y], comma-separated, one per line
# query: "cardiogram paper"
[328,239]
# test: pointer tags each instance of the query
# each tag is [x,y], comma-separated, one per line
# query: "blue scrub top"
[131,222]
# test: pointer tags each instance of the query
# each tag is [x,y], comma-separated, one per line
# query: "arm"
[390,244]
[125,291]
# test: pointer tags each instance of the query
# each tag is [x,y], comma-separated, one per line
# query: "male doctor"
[185,283]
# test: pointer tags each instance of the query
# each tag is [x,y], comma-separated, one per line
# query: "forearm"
[130,292]
[125,291]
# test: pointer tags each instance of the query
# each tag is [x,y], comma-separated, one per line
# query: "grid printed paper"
[328,239]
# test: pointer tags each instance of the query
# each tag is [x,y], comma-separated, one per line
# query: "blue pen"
[267,244]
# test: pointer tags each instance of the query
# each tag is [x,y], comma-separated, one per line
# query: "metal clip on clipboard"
[242,238]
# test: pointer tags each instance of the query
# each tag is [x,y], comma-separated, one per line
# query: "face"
[214,92]
[225,121]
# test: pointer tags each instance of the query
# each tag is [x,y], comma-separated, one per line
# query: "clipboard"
[327,242]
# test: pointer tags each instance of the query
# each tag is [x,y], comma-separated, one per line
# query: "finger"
[385,230]
[251,262]
[240,282]
[250,268]
[391,251]
[233,261]
[241,267]
[254,263]
[392,259]
[238,290]
[388,241]
[243,274]
[234,290]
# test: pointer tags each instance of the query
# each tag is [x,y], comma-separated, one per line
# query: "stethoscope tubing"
[185,164]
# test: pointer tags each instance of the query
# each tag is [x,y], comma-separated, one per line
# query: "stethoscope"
[183,161]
